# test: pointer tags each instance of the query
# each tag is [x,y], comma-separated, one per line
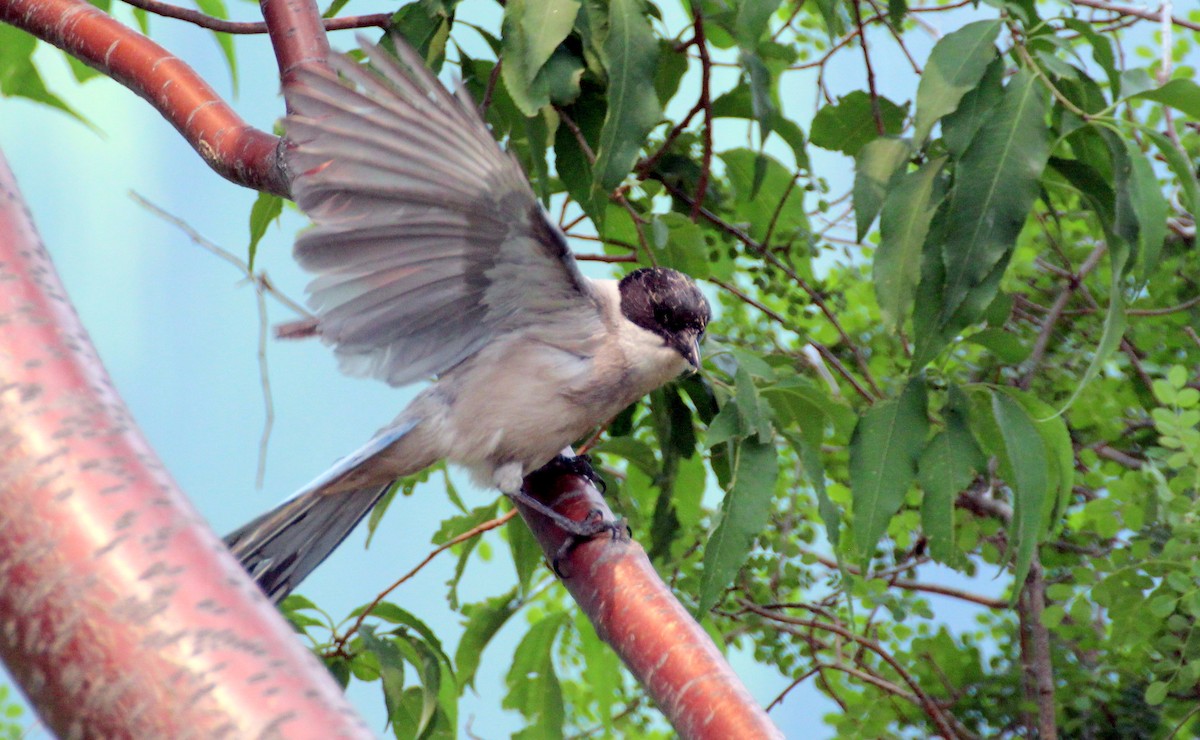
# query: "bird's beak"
[689,347]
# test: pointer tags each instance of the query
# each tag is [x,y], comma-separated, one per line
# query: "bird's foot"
[618,527]
[592,525]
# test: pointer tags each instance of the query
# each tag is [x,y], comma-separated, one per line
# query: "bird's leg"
[577,531]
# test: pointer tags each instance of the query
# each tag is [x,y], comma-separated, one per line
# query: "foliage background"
[151,298]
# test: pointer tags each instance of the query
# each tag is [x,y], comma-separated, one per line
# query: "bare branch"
[167,10]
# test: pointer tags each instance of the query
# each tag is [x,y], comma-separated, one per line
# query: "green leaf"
[755,413]
[630,55]
[533,687]
[266,209]
[570,161]
[425,28]
[1150,207]
[753,18]
[762,103]
[959,128]
[884,450]
[634,450]
[744,514]
[562,75]
[484,620]
[876,166]
[672,66]
[1182,168]
[848,124]
[1156,693]
[530,34]
[1102,50]
[679,244]
[1023,463]
[1181,94]
[526,552]
[19,76]
[601,669]
[903,226]
[814,469]
[415,711]
[947,466]
[1059,447]
[391,666]
[995,185]
[1002,343]
[956,65]
[763,197]
[390,612]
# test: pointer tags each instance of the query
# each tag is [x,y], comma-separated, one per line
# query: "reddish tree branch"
[633,611]
[297,35]
[123,614]
[236,150]
[167,10]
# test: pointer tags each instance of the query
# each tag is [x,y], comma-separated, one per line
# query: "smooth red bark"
[667,651]
[121,613]
[229,145]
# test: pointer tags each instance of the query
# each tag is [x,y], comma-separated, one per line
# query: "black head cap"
[669,304]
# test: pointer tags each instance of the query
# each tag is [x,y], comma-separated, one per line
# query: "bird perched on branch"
[433,258]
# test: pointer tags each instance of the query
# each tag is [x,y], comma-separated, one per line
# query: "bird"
[434,259]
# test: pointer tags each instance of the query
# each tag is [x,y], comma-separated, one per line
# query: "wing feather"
[427,241]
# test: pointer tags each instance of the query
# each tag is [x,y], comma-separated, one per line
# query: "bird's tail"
[281,547]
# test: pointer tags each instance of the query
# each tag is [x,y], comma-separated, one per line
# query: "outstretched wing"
[428,241]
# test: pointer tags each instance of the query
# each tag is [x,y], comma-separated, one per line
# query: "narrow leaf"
[1023,463]
[1181,94]
[1151,209]
[903,226]
[744,513]
[955,66]
[995,185]
[266,209]
[883,461]
[877,164]
[947,466]
[633,109]
[533,687]
[484,620]
[1182,168]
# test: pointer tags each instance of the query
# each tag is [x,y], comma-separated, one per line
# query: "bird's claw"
[591,526]
[580,465]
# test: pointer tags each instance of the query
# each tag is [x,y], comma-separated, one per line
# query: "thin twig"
[1149,15]
[1074,280]
[339,643]
[706,104]
[930,707]
[578,134]
[262,288]
[167,10]
[799,680]
[493,78]
[648,163]
[822,349]
[876,111]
